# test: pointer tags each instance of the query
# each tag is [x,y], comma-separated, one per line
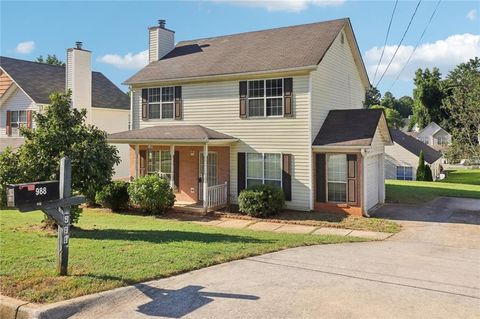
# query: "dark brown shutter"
[241,172]
[143,162]
[287,97]
[29,119]
[243,98]
[178,103]
[144,104]
[287,176]
[321,195]
[9,124]
[352,177]
[176,170]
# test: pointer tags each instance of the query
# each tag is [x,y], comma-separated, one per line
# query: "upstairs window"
[161,103]
[18,119]
[265,98]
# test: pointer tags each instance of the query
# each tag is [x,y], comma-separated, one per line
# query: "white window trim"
[338,182]
[263,170]
[161,104]
[159,172]
[16,130]
[264,98]
[404,174]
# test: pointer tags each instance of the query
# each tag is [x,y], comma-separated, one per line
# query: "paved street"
[429,270]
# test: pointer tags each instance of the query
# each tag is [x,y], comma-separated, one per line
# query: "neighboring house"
[25,87]
[435,136]
[280,107]
[401,159]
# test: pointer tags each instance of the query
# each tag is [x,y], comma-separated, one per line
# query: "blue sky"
[116,31]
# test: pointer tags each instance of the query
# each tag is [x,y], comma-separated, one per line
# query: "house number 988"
[40,191]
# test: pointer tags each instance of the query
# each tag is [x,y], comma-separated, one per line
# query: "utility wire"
[386,39]
[416,45]
[401,41]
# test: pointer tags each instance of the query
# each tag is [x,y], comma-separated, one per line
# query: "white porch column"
[205,179]
[172,166]
[137,168]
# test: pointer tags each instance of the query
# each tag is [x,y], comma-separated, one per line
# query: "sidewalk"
[290,228]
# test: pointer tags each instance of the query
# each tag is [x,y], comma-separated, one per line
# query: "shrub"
[151,193]
[113,195]
[428,174]
[10,173]
[261,200]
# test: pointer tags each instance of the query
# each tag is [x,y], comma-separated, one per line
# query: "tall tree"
[463,104]
[51,59]
[394,119]
[427,98]
[372,97]
[388,100]
[421,167]
[404,106]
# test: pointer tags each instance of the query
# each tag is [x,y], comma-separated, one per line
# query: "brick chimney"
[79,77]
[160,41]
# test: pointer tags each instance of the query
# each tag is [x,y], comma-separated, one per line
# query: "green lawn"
[112,250]
[459,183]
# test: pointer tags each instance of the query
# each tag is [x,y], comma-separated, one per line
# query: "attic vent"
[342,39]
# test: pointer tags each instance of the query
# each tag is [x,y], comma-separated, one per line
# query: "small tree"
[421,167]
[428,174]
[394,119]
[51,59]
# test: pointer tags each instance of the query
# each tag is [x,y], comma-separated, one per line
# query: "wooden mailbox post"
[54,199]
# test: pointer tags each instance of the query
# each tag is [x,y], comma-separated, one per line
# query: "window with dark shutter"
[143,163]
[243,99]
[287,98]
[241,172]
[178,103]
[144,104]
[352,174]
[287,176]
[29,119]
[9,126]
[320,170]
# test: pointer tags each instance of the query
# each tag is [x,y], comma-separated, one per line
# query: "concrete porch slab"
[332,231]
[295,229]
[370,234]
[266,226]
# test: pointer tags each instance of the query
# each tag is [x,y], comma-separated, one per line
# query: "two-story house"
[435,136]
[25,87]
[280,107]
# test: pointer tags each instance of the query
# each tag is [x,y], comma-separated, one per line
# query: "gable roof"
[349,128]
[414,146]
[431,129]
[39,80]
[284,48]
[191,133]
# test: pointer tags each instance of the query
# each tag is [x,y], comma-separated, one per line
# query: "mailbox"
[32,194]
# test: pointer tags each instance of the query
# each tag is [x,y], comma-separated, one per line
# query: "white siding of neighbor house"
[17,101]
[397,155]
[336,84]
[113,121]
[216,105]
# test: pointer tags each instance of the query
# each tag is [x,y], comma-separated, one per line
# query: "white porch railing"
[217,196]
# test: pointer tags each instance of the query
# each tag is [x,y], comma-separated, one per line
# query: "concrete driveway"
[429,270]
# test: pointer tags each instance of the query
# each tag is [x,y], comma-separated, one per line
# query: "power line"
[386,39]
[416,45]
[401,41]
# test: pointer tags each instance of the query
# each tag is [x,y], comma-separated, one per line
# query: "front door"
[212,173]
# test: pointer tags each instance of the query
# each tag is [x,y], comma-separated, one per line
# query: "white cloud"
[444,54]
[25,47]
[283,5]
[472,15]
[129,61]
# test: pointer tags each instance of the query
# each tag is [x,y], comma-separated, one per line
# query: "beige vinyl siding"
[336,84]
[153,44]
[216,105]
[17,101]
[397,155]
[166,42]
[378,142]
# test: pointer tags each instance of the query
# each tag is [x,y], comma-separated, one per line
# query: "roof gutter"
[221,76]
[159,141]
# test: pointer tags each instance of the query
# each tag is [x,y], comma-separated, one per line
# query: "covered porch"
[195,160]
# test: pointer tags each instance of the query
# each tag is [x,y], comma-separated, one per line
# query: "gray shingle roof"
[170,133]
[415,146]
[39,80]
[348,128]
[273,49]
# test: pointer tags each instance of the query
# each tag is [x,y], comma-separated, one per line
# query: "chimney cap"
[161,23]
[79,44]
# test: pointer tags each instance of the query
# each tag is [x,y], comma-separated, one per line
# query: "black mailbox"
[32,194]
